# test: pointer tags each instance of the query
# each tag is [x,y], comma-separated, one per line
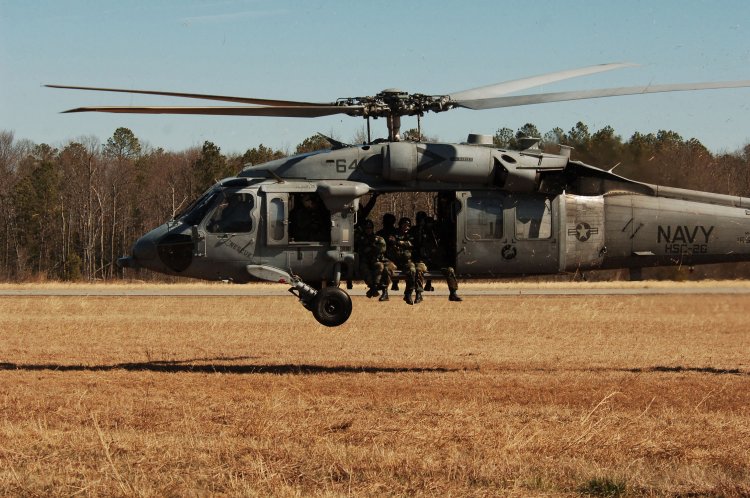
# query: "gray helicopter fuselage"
[513,213]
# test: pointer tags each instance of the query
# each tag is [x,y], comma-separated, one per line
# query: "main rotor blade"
[223,98]
[506,87]
[288,111]
[541,98]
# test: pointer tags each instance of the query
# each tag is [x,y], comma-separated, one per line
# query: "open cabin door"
[296,231]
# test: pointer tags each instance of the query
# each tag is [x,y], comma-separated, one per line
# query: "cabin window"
[533,218]
[232,215]
[276,219]
[484,218]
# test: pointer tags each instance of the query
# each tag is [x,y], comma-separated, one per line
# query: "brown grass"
[528,283]
[537,395]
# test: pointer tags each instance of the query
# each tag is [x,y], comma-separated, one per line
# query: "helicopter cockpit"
[232,215]
[226,213]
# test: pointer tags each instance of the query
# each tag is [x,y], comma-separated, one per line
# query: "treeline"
[69,213]
[663,158]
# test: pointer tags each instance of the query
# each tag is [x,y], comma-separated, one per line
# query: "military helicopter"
[509,212]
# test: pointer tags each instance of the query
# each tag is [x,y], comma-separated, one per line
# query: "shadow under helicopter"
[679,369]
[178,366]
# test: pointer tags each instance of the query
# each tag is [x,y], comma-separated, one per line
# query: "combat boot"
[372,292]
[419,298]
[394,285]
[384,295]
[407,298]
[428,286]
[454,297]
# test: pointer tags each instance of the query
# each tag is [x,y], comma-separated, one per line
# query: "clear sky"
[320,50]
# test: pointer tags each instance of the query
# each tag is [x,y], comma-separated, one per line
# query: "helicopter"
[509,212]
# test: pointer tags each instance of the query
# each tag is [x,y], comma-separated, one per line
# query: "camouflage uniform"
[400,248]
[432,252]
[374,268]
[387,232]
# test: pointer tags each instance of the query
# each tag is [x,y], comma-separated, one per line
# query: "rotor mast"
[393,103]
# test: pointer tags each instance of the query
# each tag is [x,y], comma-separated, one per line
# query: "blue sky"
[320,50]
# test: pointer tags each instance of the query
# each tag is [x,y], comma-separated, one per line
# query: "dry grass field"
[509,396]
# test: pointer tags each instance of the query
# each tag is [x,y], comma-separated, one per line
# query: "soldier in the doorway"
[374,268]
[309,220]
[431,251]
[359,229]
[445,234]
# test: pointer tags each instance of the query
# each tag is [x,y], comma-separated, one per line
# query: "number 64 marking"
[342,166]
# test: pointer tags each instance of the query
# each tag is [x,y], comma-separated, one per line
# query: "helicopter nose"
[143,254]
[144,250]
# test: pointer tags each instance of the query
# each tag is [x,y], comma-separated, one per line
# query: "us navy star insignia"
[583,231]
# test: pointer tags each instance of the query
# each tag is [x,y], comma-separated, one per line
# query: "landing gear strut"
[331,306]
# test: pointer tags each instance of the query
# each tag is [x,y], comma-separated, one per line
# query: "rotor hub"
[394,102]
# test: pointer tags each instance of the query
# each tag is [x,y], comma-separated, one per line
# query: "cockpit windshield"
[195,212]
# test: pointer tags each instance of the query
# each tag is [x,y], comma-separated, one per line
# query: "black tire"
[332,306]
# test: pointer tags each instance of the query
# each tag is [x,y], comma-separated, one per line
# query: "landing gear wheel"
[332,306]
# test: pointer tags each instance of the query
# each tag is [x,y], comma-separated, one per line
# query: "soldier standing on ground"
[433,253]
[388,232]
[400,249]
[420,235]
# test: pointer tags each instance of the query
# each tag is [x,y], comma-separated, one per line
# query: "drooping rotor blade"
[541,98]
[506,87]
[223,98]
[287,111]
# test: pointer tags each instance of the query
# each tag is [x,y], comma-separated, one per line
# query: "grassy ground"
[541,395]
[528,283]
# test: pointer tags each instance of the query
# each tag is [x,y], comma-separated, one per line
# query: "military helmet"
[404,220]
[388,219]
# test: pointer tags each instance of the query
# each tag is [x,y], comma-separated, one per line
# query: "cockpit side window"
[276,221]
[233,214]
